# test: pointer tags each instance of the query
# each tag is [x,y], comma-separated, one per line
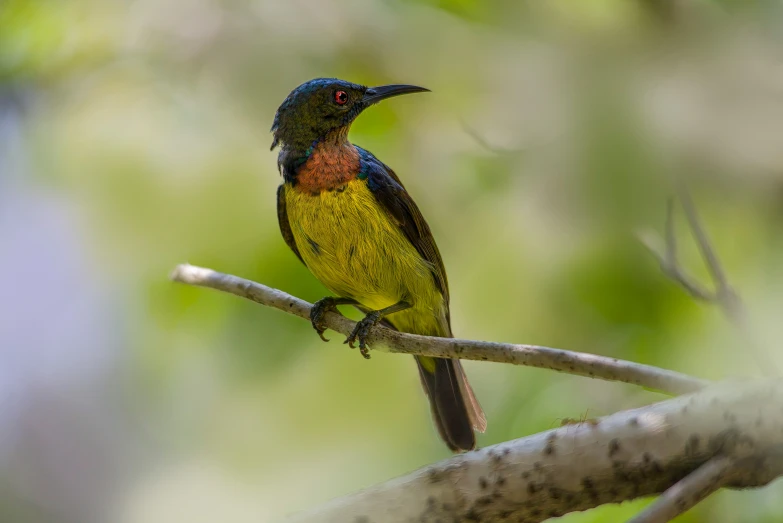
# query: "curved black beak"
[376,94]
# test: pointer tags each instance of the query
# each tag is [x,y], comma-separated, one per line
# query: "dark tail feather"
[455,410]
[445,384]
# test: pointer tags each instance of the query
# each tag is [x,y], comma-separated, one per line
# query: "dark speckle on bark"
[614,447]
[587,482]
[435,476]
[692,447]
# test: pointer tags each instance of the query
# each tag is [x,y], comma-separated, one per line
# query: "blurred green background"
[134,136]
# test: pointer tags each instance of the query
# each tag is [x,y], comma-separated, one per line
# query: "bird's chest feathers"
[350,243]
[328,167]
[337,223]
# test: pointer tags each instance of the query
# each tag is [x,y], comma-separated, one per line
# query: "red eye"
[341,97]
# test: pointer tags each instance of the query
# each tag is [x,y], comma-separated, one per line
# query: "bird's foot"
[321,307]
[362,330]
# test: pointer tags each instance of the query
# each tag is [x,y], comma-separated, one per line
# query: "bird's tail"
[455,409]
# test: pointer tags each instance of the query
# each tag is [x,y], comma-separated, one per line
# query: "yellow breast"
[350,244]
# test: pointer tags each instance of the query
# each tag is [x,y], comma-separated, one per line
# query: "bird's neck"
[325,165]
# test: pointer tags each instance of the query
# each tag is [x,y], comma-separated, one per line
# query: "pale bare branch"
[624,456]
[687,492]
[582,364]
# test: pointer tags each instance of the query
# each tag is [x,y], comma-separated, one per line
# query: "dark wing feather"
[393,197]
[450,406]
[282,220]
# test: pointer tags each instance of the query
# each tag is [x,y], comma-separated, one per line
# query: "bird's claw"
[317,312]
[361,331]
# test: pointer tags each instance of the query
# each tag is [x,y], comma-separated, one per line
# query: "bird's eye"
[341,97]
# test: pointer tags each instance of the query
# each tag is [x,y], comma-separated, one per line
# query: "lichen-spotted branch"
[578,363]
[725,435]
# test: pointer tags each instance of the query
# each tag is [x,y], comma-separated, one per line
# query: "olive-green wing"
[450,394]
[282,220]
[391,194]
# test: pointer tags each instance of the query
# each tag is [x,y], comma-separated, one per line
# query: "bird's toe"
[317,312]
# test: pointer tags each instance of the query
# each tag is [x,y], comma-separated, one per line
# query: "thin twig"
[703,243]
[723,295]
[578,363]
[494,149]
[500,150]
[690,490]
[669,259]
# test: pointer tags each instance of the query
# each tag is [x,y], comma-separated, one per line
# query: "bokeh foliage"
[549,140]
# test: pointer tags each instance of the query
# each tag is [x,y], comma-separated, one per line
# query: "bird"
[347,216]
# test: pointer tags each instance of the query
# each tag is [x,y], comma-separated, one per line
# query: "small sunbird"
[349,219]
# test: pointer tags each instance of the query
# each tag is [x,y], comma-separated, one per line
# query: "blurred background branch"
[580,364]
[723,295]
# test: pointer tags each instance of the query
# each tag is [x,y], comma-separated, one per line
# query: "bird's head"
[325,107]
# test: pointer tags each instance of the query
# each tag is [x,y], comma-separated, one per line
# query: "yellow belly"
[350,244]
